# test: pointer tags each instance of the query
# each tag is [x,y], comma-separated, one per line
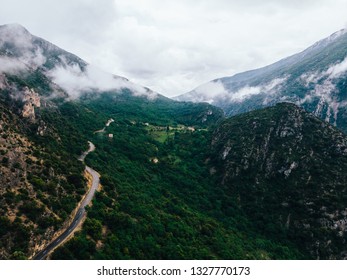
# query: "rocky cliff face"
[31,100]
[286,170]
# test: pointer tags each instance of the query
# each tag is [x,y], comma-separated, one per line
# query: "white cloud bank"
[76,81]
[215,90]
[337,70]
[11,65]
[325,89]
[323,80]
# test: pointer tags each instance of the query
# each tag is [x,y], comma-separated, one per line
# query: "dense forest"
[159,198]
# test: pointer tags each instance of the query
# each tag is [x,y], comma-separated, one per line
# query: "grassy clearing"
[163,133]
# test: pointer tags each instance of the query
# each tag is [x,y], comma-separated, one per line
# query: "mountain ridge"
[314,79]
[22,51]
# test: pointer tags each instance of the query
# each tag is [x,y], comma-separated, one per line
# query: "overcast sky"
[174,46]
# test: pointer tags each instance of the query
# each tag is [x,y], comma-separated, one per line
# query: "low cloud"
[324,89]
[212,90]
[11,65]
[246,92]
[323,81]
[75,81]
[18,42]
[337,70]
[17,35]
[208,92]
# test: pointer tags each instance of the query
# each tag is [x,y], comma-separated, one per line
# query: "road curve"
[81,212]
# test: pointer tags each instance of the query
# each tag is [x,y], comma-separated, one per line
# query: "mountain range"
[314,79]
[265,179]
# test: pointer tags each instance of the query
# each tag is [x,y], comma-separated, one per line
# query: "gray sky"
[174,46]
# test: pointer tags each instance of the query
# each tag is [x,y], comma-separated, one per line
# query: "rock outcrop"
[31,100]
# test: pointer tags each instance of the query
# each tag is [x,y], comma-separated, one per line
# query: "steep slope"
[286,170]
[314,79]
[40,184]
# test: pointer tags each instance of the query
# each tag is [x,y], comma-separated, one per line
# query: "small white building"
[154,160]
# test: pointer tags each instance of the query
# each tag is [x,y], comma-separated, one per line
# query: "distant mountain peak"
[14,29]
[13,26]
[337,34]
[15,36]
[326,41]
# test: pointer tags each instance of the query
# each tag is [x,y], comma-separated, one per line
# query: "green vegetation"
[169,209]
[287,174]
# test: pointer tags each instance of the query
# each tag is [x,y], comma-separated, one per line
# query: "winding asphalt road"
[81,212]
